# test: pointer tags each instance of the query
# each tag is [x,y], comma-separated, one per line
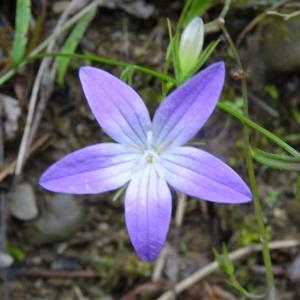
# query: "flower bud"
[191,43]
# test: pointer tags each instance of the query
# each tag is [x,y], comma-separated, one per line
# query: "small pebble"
[6,260]
[294,270]
[61,216]
[23,202]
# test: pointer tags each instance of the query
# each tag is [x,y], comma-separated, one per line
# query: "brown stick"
[257,20]
[56,273]
[9,167]
[149,287]
[45,76]
[214,266]
[3,213]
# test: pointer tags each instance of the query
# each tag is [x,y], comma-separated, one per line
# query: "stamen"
[149,158]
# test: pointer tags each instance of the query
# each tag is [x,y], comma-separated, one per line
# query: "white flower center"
[151,152]
[149,155]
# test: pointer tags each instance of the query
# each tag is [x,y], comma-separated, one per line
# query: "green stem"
[223,106]
[225,9]
[264,237]
[235,284]
[174,43]
[269,135]
[164,77]
[105,60]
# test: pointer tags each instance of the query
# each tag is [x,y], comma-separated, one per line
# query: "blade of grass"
[221,105]
[276,161]
[127,74]
[71,44]
[202,59]
[21,30]
[245,120]
[108,61]
[174,53]
[7,75]
[197,8]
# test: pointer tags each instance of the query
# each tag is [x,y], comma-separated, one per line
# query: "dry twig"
[56,273]
[149,287]
[160,263]
[41,143]
[44,81]
[3,210]
[233,256]
[164,254]
[257,20]
[284,16]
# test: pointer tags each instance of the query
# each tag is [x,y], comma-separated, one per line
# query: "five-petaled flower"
[149,155]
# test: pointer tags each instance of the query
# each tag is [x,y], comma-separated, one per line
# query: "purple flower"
[149,154]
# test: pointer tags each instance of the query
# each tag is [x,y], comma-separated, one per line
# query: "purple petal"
[117,107]
[91,170]
[185,110]
[148,211]
[200,174]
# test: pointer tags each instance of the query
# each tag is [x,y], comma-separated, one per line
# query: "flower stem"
[264,236]
[251,124]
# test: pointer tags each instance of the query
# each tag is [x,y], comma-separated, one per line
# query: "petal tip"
[220,70]
[42,179]
[220,65]
[246,194]
[149,257]
[43,182]
[84,70]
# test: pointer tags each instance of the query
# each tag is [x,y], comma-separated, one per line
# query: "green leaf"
[237,104]
[11,72]
[71,44]
[206,53]
[196,8]
[16,252]
[228,263]
[227,107]
[272,91]
[184,12]
[292,138]
[174,44]
[118,194]
[225,264]
[107,61]
[127,74]
[276,161]
[21,30]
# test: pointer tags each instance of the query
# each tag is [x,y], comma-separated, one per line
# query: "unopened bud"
[191,43]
